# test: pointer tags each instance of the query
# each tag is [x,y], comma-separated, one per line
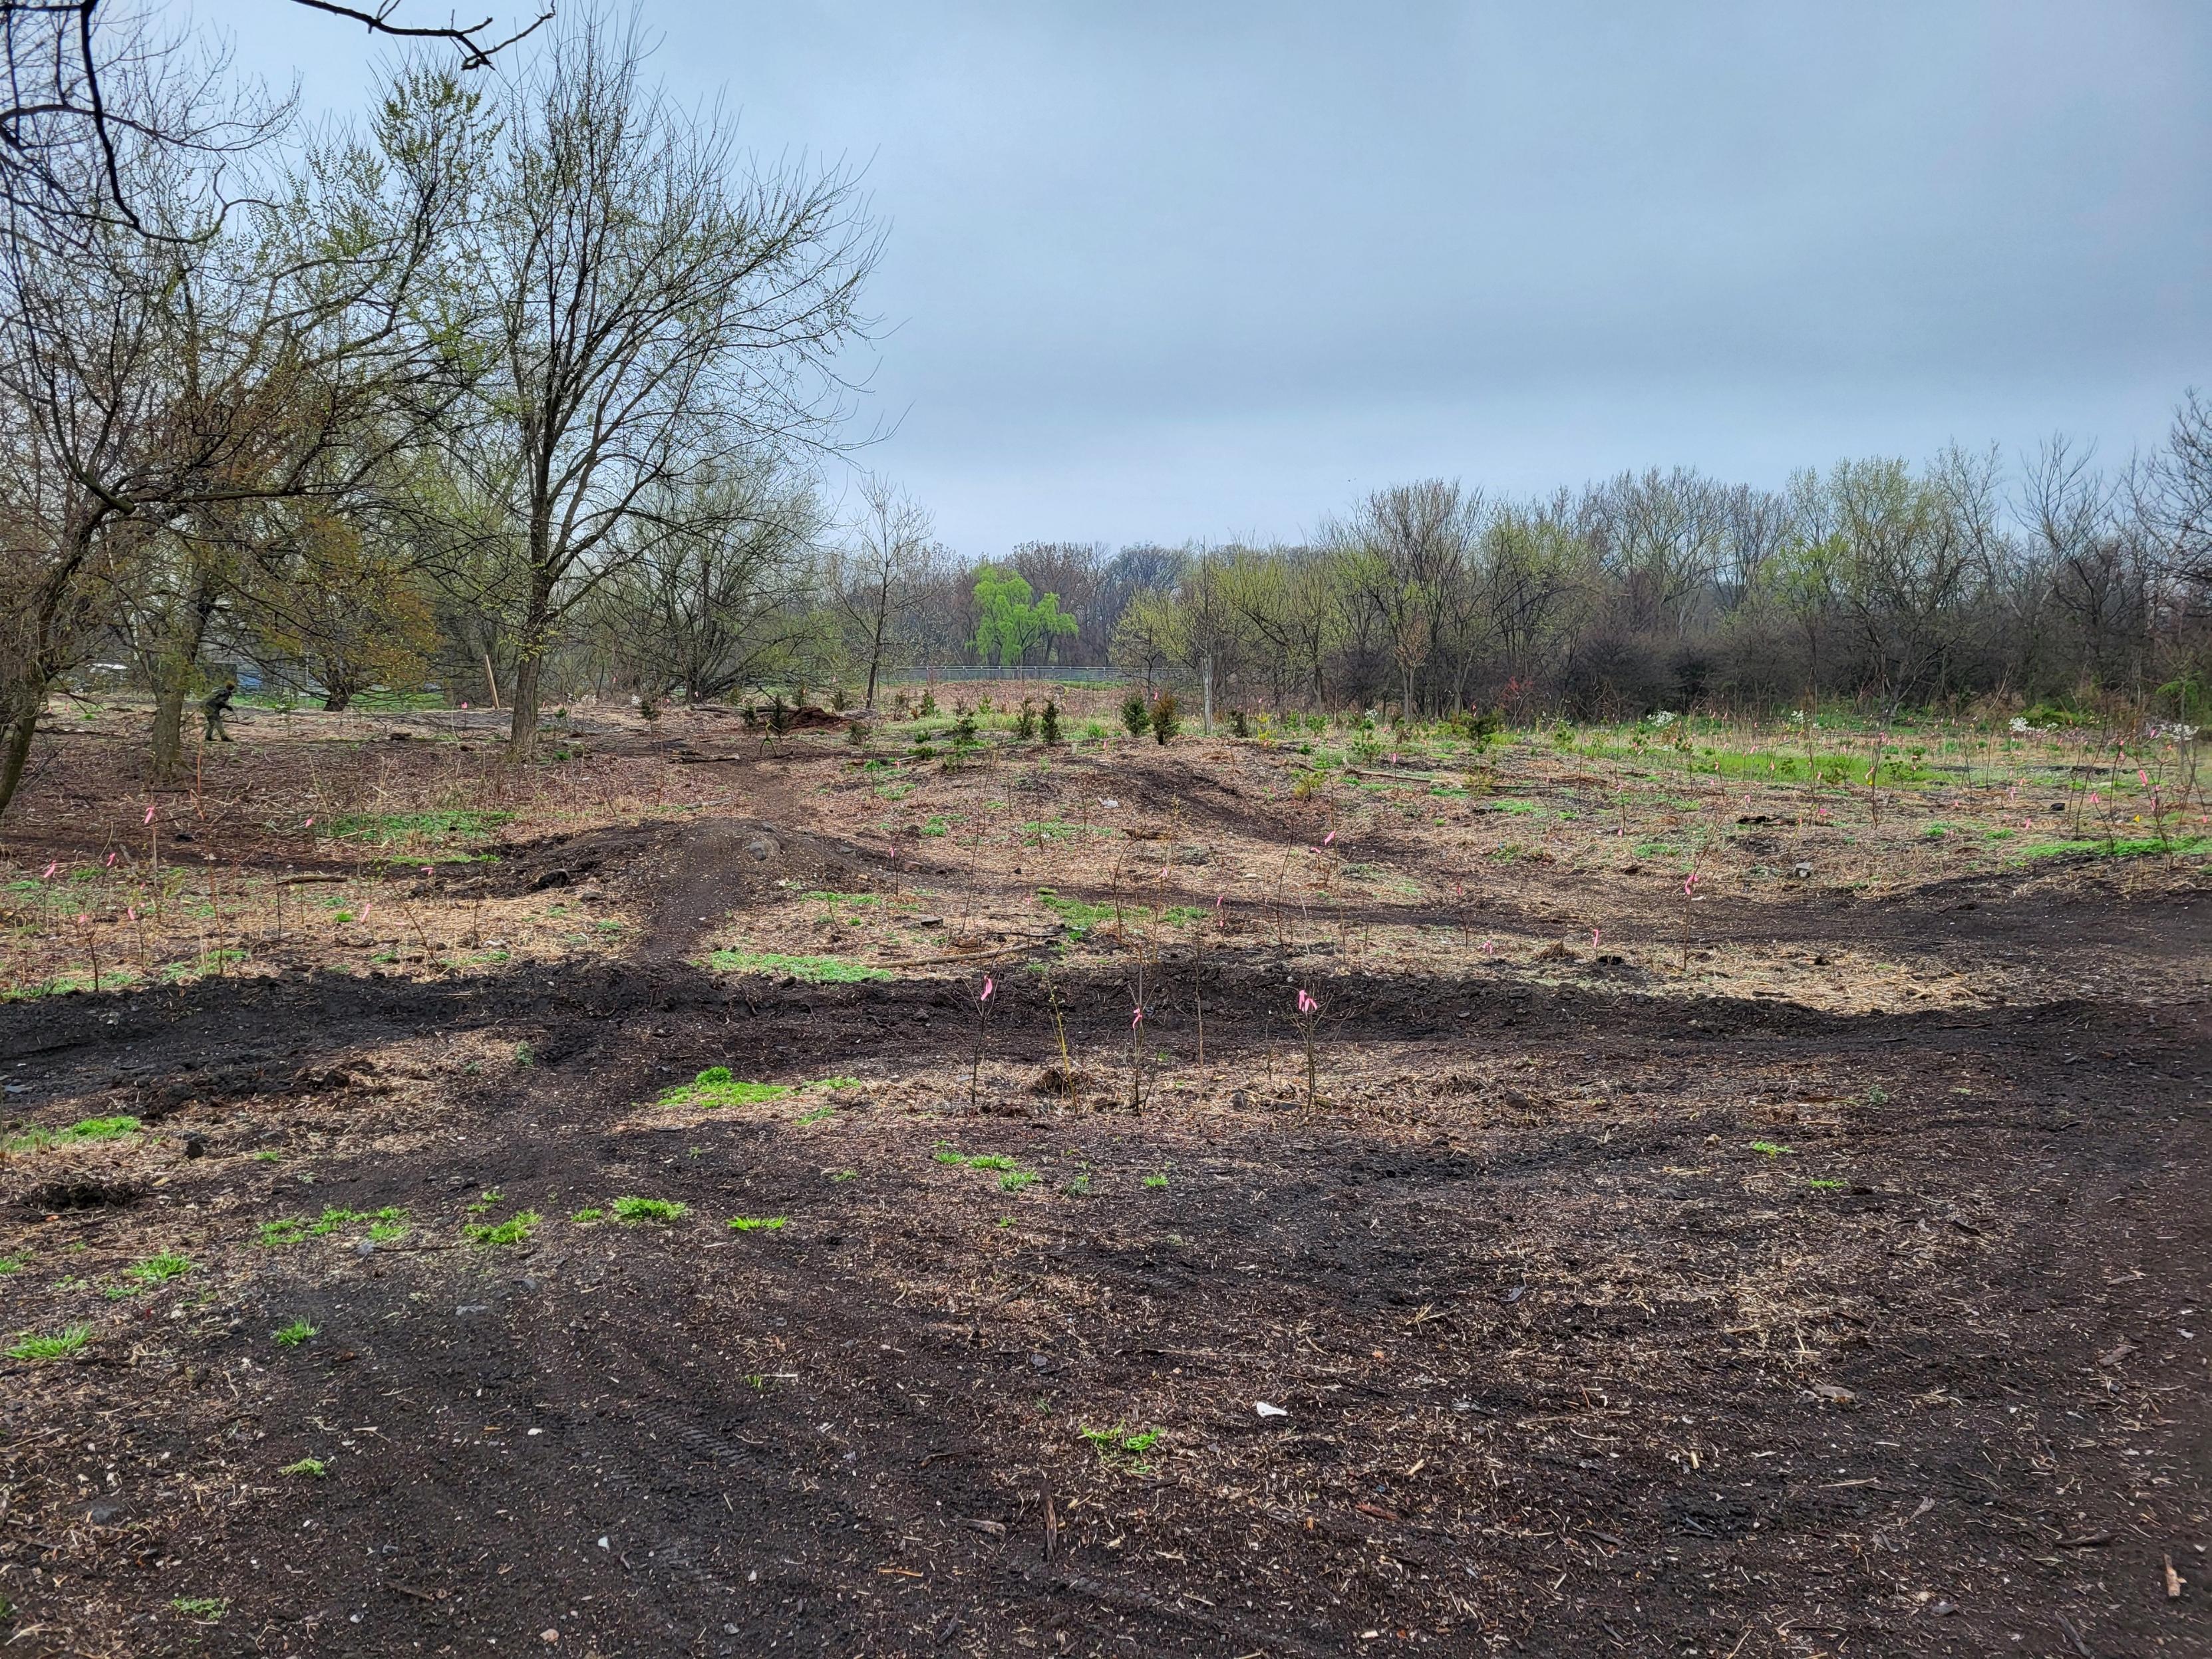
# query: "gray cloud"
[1158,270]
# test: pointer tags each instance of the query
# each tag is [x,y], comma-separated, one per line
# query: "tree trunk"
[21,728]
[169,729]
[1205,680]
[522,734]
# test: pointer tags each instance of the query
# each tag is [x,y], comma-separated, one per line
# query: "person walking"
[215,706]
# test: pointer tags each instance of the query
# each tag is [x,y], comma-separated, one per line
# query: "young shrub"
[1240,723]
[1135,715]
[1026,721]
[1050,722]
[1165,717]
[928,703]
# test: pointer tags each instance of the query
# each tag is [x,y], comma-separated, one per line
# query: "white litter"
[1267,1410]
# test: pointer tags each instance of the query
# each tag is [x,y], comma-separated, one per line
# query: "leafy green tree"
[1013,622]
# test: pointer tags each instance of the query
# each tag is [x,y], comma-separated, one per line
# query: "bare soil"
[1794,1265]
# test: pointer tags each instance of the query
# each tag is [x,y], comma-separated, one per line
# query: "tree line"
[527,386]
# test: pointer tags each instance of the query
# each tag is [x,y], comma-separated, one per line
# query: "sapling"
[982,1011]
[1308,1015]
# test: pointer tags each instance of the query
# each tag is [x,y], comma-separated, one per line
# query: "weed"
[294,1333]
[492,1199]
[1079,1184]
[70,1341]
[313,1467]
[525,1054]
[515,1230]
[844,1174]
[1876,1096]
[991,1161]
[1014,1180]
[208,1608]
[811,971]
[11,1264]
[588,1218]
[650,1209]
[1156,1181]
[268,1155]
[290,1230]
[748,1223]
[1819,1185]
[817,1116]
[1118,1447]
[159,1269]
[1771,1149]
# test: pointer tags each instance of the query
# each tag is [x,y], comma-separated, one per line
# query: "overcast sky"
[1172,271]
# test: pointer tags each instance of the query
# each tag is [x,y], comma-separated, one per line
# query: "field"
[1736,1191]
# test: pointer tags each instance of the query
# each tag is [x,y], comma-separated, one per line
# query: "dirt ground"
[1727,1218]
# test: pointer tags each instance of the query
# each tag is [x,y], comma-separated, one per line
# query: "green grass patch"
[811,971]
[313,1467]
[294,1333]
[636,1210]
[755,1223]
[87,1128]
[208,1608]
[2140,846]
[288,1229]
[589,1217]
[395,829]
[515,1230]
[159,1269]
[60,1346]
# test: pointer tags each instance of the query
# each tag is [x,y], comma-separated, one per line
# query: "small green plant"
[1771,1149]
[714,1087]
[294,1333]
[515,1230]
[588,1218]
[207,1607]
[649,1209]
[159,1269]
[844,1174]
[749,1223]
[991,1161]
[1014,1180]
[267,1155]
[1820,1184]
[12,1264]
[1079,1184]
[491,1200]
[289,1230]
[312,1467]
[1118,1447]
[60,1346]
[1156,1181]
[1876,1096]
[525,1054]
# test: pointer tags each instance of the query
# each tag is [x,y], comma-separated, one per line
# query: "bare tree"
[879,579]
[78,78]
[654,313]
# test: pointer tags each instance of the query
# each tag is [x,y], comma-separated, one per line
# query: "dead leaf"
[2118,1354]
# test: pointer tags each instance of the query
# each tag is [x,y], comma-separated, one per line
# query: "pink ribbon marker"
[1136,1018]
[50,868]
[149,815]
[1307,1006]
[984,995]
